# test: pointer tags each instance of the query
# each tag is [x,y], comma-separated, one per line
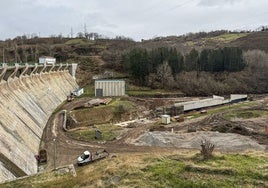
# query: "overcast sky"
[137,19]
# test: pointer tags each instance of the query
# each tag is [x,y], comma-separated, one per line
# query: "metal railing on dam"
[29,94]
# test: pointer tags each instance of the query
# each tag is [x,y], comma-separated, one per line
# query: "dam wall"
[27,99]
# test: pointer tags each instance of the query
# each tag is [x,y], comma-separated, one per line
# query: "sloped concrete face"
[25,106]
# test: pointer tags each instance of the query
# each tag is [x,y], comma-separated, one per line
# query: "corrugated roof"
[103,80]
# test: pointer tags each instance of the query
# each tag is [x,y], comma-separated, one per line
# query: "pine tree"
[191,60]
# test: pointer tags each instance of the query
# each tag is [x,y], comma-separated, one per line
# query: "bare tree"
[206,148]
[26,54]
[256,59]
[164,75]
[17,56]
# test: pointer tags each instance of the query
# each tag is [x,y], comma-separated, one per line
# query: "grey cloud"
[211,3]
[136,19]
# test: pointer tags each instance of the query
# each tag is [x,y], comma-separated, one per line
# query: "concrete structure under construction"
[214,101]
[29,94]
[111,88]
[181,107]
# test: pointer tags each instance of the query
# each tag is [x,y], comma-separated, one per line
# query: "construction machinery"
[88,157]
[70,97]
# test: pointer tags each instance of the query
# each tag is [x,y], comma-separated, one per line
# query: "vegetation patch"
[116,110]
[232,110]
[228,37]
[89,116]
[89,90]
[245,114]
[179,169]
[125,103]
[189,43]
[78,41]
[231,170]
[206,170]
[109,132]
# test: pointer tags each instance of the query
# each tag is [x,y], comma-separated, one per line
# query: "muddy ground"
[235,136]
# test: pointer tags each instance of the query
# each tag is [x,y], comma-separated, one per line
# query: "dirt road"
[64,150]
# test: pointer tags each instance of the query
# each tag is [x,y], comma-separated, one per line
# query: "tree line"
[163,64]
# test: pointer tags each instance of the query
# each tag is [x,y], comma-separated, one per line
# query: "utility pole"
[35,54]
[85,30]
[55,152]
[72,32]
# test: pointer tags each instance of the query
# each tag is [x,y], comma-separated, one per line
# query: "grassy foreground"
[177,169]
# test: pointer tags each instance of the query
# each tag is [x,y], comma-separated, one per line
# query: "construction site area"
[53,128]
[134,125]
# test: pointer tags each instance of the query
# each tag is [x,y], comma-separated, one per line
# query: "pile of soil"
[222,141]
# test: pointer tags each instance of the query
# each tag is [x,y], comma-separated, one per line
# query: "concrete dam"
[28,96]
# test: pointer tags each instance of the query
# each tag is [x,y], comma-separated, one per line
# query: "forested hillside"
[218,62]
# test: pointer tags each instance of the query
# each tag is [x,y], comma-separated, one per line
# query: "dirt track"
[65,150]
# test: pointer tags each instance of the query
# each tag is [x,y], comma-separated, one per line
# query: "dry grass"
[181,168]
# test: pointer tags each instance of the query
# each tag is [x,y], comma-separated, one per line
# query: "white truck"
[88,157]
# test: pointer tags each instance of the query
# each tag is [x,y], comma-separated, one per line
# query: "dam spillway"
[28,96]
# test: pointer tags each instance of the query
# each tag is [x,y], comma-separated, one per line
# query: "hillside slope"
[97,56]
[257,40]
[173,169]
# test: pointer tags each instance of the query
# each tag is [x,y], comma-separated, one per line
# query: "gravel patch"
[222,141]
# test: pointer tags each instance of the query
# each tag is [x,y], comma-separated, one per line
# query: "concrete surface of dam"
[28,96]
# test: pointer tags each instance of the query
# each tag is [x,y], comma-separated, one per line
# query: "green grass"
[150,93]
[228,37]
[109,133]
[189,43]
[142,92]
[89,90]
[245,114]
[79,41]
[231,108]
[180,169]
[126,104]
[230,170]
[103,114]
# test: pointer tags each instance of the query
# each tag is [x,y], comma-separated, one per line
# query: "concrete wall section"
[26,103]
[4,173]
[204,103]
[234,97]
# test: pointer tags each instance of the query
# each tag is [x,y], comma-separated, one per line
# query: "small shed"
[47,60]
[78,92]
[111,88]
[165,119]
